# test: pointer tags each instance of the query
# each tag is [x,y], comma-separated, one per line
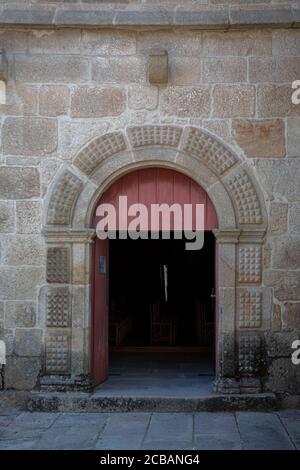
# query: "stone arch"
[232,188]
[226,178]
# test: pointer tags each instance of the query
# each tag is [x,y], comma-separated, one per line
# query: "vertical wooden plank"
[100,312]
[148,188]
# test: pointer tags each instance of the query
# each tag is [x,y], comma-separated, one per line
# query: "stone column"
[252,310]
[226,247]
[65,309]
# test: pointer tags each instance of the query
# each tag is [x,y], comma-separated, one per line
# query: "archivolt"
[228,181]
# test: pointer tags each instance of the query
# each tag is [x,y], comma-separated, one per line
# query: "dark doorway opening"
[161,306]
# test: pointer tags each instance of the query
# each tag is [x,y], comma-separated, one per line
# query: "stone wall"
[68,86]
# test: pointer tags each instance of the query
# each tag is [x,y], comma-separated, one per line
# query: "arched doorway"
[151,295]
[231,185]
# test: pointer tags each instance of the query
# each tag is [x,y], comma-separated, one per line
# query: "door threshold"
[161,349]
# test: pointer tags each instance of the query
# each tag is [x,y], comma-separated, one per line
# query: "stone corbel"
[3,66]
[158,67]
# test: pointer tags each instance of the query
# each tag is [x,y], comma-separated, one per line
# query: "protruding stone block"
[3,66]
[158,67]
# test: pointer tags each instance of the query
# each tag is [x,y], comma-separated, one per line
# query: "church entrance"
[154,300]
[161,306]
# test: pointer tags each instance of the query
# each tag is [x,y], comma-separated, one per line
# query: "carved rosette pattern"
[58,265]
[249,354]
[98,150]
[250,264]
[206,148]
[57,360]
[246,198]
[154,135]
[250,309]
[63,199]
[58,307]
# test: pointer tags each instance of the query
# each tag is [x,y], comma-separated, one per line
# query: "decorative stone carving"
[250,309]
[63,199]
[250,261]
[154,135]
[98,150]
[58,308]
[57,353]
[228,354]
[246,198]
[203,146]
[249,354]
[58,265]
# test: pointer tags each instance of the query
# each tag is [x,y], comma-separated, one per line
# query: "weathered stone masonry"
[80,112]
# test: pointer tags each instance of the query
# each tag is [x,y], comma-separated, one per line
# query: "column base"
[226,385]
[59,383]
[231,385]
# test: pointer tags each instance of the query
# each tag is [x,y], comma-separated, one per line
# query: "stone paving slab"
[262,431]
[73,432]
[123,431]
[157,431]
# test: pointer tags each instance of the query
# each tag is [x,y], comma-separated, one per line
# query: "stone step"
[90,402]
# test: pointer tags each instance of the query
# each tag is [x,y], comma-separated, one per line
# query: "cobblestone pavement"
[108,431]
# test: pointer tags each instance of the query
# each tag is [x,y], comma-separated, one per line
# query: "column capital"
[56,235]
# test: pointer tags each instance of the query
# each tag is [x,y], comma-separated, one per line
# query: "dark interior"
[160,295]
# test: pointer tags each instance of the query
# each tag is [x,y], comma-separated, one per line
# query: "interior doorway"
[154,300]
[161,305]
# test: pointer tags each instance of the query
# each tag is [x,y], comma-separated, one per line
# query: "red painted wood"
[160,185]
[100,314]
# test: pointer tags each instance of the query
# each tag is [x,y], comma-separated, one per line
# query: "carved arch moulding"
[242,222]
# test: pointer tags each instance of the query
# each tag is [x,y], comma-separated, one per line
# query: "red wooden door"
[100,316]
[147,186]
